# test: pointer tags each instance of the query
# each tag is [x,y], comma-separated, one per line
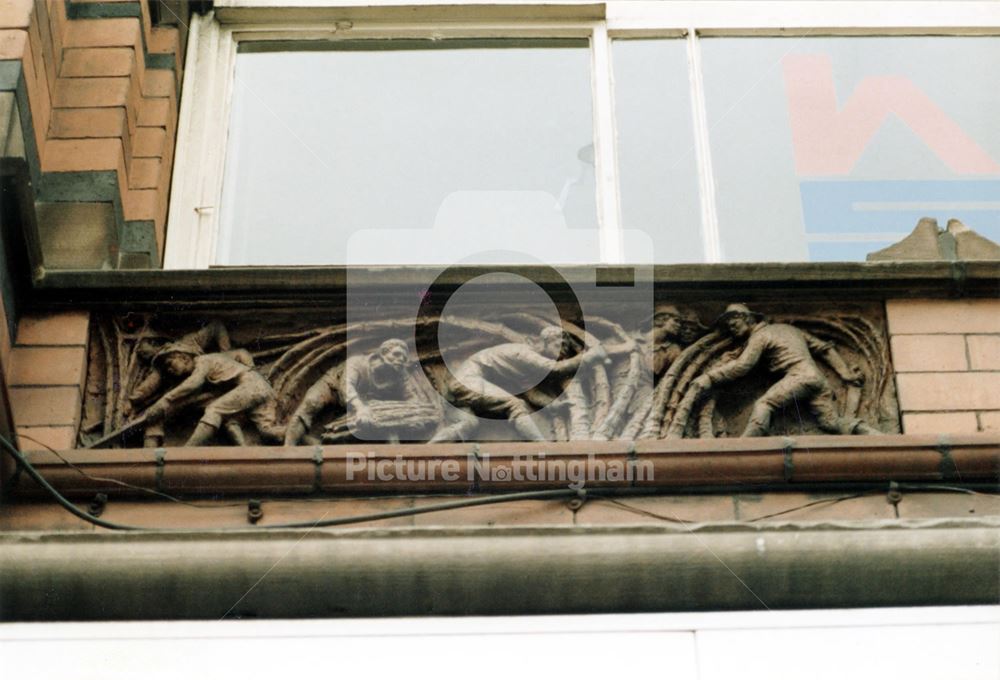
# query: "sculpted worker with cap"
[673,330]
[244,391]
[212,334]
[788,352]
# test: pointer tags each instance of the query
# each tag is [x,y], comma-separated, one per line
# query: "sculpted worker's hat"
[551,332]
[738,309]
[179,347]
[667,310]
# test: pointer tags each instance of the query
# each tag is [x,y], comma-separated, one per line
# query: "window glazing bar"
[703,152]
[605,156]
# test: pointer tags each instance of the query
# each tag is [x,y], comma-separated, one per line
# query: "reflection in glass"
[831,148]
[658,173]
[451,138]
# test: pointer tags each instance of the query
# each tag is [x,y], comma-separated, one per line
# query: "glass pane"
[658,174]
[440,142]
[831,148]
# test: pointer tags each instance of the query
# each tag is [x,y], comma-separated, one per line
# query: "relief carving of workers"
[673,330]
[788,352]
[242,391]
[211,336]
[379,392]
[486,383]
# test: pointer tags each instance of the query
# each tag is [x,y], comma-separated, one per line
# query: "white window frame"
[203,127]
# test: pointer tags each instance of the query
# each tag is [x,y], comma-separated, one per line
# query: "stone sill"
[670,466]
[261,286]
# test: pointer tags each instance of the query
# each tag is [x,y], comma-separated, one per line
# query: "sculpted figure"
[788,352]
[486,382]
[210,336]
[673,330]
[377,390]
[244,391]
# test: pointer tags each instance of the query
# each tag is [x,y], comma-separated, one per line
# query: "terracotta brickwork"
[101,84]
[947,360]
[45,378]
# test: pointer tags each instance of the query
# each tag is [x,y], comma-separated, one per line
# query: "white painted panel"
[918,652]
[582,656]
[918,643]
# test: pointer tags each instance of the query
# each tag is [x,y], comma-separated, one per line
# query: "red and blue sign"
[844,215]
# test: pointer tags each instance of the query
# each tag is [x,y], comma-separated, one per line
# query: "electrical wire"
[60,499]
[603,494]
[454,505]
[822,501]
[208,505]
[338,521]
[647,513]
[126,485]
[678,520]
[944,487]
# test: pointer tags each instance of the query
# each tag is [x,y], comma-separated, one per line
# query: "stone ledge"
[262,286]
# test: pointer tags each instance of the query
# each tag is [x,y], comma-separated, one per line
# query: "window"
[628,131]
[440,136]
[657,163]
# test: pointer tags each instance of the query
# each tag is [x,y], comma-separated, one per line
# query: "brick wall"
[45,377]
[100,84]
[947,360]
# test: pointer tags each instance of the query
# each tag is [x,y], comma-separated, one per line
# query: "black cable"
[126,485]
[821,501]
[903,486]
[405,512]
[647,513]
[72,509]
[453,505]
[388,514]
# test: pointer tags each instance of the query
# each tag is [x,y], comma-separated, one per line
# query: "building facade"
[683,389]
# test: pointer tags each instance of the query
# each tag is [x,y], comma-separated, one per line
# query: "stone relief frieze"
[702,370]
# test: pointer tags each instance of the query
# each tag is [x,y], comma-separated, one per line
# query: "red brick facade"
[947,359]
[45,379]
[98,86]
[97,103]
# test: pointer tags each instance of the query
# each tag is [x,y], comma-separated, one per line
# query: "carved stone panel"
[699,370]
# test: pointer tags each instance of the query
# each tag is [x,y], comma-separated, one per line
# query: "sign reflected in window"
[836,147]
